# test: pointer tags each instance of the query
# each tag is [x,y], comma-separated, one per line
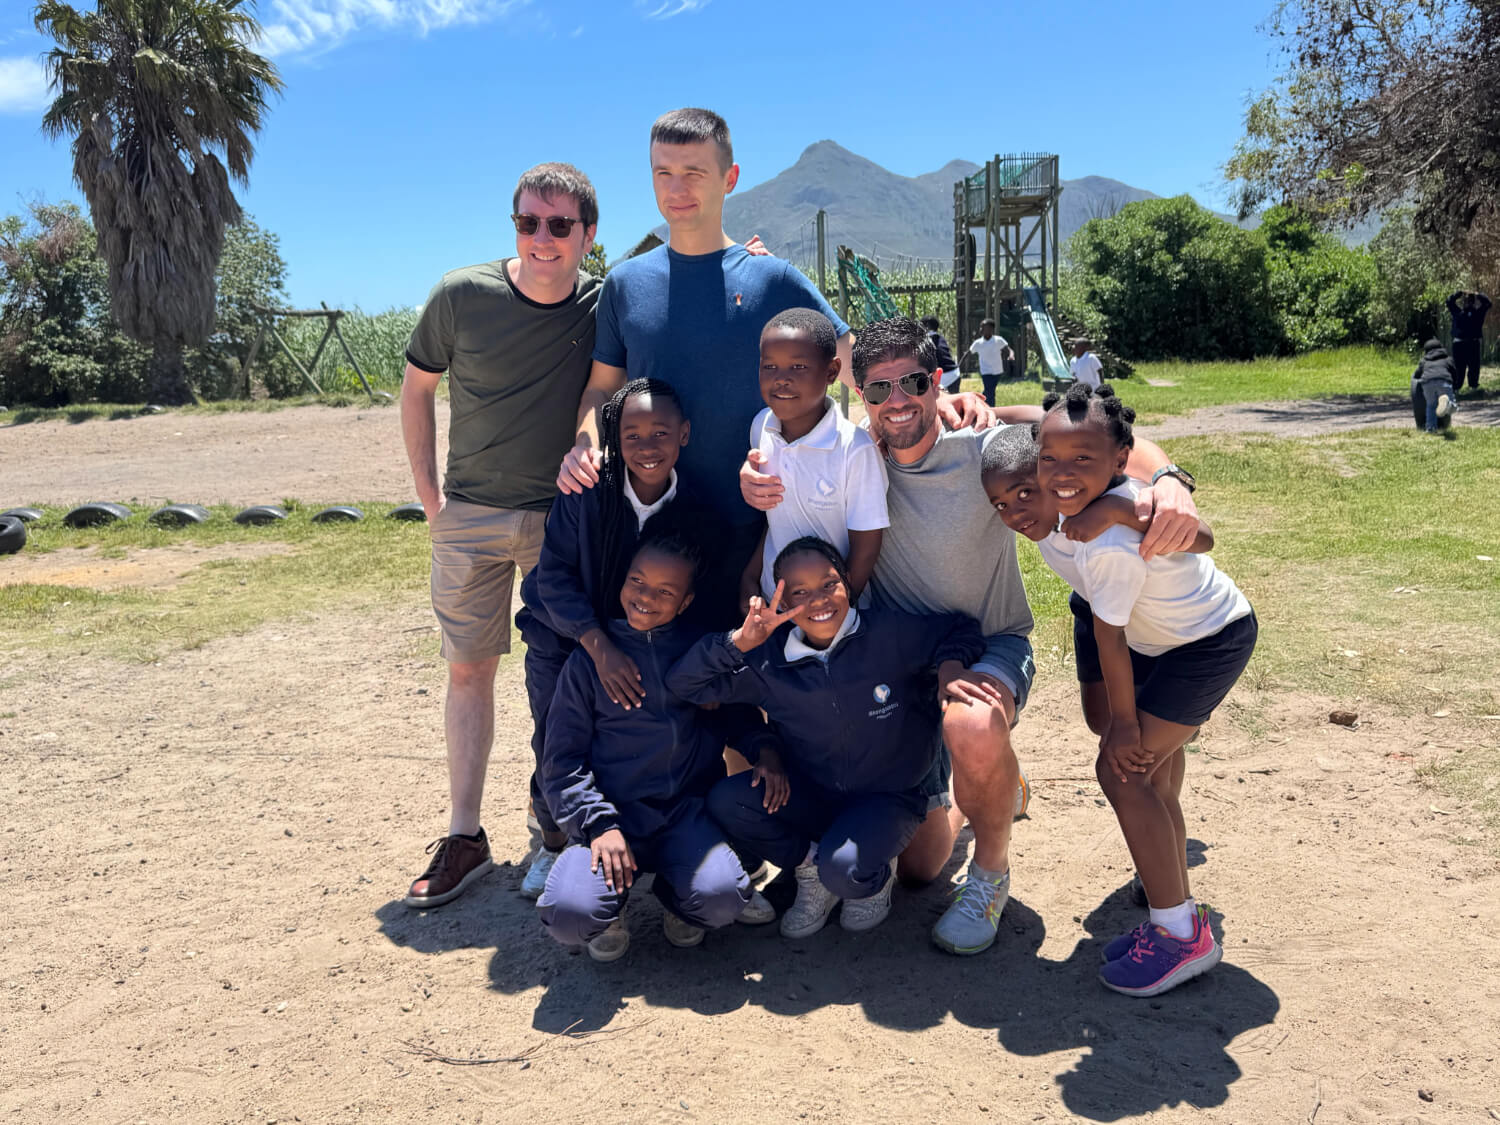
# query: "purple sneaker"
[1122,945]
[1158,962]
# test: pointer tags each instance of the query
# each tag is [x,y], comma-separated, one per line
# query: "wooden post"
[306,374]
[250,358]
[844,312]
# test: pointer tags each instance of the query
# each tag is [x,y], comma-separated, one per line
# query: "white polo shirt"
[1086,369]
[833,480]
[991,354]
[1162,604]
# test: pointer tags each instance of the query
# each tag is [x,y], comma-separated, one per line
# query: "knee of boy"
[567,926]
[725,801]
[722,905]
[837,870]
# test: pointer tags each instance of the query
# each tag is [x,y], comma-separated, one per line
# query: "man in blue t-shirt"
[691,312]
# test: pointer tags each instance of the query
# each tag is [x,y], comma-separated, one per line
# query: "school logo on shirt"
[825,487]
[824,493]
[882,692]
[884,706]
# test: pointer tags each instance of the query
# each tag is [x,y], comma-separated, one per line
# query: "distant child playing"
[1085,366]
[853,696]
[573,591]
[832,472]
[1167,639]
[627,783]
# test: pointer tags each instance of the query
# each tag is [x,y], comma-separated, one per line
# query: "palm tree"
[149,90]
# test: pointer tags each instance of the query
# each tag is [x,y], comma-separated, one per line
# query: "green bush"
[1413,278]
[1321,288]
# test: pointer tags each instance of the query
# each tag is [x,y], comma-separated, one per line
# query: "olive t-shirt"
[516,370]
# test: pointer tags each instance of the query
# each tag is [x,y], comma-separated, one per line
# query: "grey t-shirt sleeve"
[431,345]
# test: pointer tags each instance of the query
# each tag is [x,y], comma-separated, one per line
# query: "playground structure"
[332,317]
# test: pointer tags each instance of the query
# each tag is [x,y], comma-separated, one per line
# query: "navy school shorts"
[1182,685]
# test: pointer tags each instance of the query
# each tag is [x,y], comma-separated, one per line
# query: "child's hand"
[610,855]
[1121,749]
[761,490]
[957,684]
[762,620]
[770,770]
[618,673]
[1098,518]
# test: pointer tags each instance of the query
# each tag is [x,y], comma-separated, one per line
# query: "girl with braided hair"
[573,591]
[1166,638]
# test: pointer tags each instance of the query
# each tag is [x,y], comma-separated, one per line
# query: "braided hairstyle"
[614,508]
[812,545]
[1099,404]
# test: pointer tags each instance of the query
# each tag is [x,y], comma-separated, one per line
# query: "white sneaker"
[757,911]
[612,943]
[814,904]
[1444,406]
[535,881]
[684,935]
[860,914]
[969,925]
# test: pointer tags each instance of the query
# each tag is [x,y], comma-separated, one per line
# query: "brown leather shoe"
[456,862]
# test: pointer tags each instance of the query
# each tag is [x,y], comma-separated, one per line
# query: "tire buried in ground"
[339,513]
[25,515]
[96,515]
[411,512]
[259,515]
[178,515]
[12,535]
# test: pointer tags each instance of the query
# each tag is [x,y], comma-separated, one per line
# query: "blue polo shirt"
[695,320]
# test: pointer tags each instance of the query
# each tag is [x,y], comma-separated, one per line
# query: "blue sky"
[392,155]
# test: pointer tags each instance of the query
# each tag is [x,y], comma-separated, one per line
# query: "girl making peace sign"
[854,696]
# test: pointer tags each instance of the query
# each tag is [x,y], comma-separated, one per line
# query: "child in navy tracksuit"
[627,783]
[853,696]
[572,592]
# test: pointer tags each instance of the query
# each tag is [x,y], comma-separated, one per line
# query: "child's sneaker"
[682,934]
[1158,962]
[861,914]
[612,943]
[969,924]
[535,881]
[814,904]
[1118,947]
[1023,798]
[757,912]
[1445,405]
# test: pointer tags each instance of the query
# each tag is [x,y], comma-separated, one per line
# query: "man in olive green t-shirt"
[515,337]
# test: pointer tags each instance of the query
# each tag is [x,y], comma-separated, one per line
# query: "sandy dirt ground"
[205,858]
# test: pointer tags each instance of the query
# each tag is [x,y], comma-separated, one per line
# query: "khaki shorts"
[476,551]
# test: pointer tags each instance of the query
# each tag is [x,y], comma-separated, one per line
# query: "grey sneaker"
[757,911]
[612,943]
[684,935]
[814,904]
[968,926]
[535,881]
[860,914]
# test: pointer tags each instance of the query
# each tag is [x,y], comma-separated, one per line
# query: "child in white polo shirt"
[831,470]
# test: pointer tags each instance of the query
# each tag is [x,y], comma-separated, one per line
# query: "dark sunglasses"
[557,225]
[914,385]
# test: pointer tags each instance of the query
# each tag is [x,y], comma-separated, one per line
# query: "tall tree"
[1382,102]
[152,91]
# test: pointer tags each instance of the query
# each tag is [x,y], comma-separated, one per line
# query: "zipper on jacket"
[843,739]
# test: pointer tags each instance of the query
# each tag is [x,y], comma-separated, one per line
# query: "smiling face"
[1077,461]
[814,582]
[794,376]
[545,262]
[902,422]
[658,587]
[690,185]
[652,434]
[1021,503]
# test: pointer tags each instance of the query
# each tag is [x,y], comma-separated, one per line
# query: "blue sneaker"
[1121,945]
[1158,962]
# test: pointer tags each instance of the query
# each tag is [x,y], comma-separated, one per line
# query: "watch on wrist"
[1182,475]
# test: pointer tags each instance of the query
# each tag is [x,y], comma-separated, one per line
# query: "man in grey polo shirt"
[515,337]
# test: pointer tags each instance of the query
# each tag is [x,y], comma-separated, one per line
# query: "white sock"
[985,875]
[1176,920]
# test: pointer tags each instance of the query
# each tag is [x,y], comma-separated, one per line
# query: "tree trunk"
[169,381]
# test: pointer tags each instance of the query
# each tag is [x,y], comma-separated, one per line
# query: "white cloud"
[23,85]
[666,9]
[294,27]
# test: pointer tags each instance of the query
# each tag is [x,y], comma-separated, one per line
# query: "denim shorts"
[1182,685]
[1007,657]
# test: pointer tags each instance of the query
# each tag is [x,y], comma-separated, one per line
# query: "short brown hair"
[549,180]
[694,126]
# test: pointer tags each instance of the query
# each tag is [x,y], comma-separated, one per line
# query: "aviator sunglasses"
[914,385]
[557,225]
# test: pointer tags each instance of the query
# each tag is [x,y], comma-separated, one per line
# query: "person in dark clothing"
[946,363]
[853,695]
[1434,385]
[1468,311]
[627,783]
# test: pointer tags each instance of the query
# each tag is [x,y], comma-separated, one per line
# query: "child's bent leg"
[698,876]
[577,906]
[1167,781]
[855,852]
[546,653]
[781,837]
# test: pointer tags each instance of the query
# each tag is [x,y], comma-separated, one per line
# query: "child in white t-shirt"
[831,471]
[1085,366]
[1168,638]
